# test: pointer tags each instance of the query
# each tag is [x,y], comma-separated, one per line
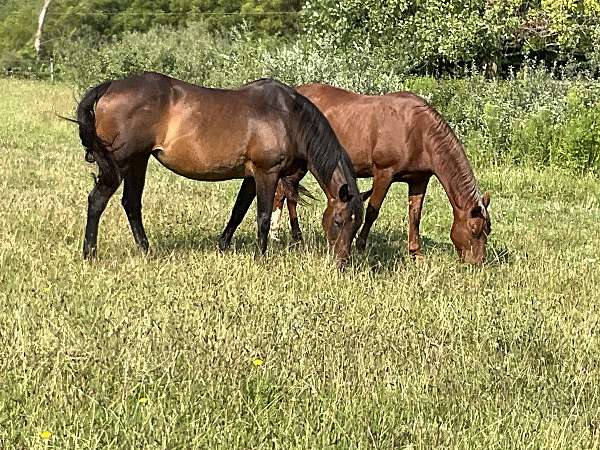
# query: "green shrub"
[576,143]
[450,36]
[532,117]
[189,54]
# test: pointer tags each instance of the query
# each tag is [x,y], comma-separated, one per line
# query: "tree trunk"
[37,44]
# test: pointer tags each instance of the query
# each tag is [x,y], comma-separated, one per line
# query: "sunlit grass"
[190,348]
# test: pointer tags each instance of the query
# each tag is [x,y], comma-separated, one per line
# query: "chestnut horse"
[399,137]
[260,132]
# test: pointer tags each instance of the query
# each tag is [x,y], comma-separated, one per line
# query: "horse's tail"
[319,144]
[96,149]
[298,194]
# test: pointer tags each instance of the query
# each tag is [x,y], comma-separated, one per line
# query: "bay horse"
[400,137]
[260,132]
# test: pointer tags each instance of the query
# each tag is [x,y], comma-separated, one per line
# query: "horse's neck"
[452,169]
[331,187]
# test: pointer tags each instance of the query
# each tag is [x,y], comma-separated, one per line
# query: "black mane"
[318,140]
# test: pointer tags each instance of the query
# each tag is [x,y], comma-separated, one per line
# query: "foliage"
[103,20]
[18,21]
[532,117]
[411,36]
[441,36]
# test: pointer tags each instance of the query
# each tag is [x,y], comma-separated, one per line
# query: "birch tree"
[37,43]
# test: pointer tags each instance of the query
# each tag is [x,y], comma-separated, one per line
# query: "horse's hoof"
[222,245]
[259,256]
[416,253]
[342,264]
[89,254]
[417,257]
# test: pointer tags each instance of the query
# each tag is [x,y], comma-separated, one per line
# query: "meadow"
[191,348]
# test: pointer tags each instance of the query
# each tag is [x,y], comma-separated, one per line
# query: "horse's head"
[470,231]
[341,221]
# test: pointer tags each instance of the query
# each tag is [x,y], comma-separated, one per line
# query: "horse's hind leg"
[132,199]
[280,198]
[381,184]
[295,224]
[293,203]
[416,194]
[242,203]
[97,201]
[277,209]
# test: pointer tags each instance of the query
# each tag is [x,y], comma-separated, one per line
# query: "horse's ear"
[344,194]
[486,200]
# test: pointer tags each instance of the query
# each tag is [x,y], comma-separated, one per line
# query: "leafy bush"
[189,54]
[532,117]
[102,20]
[449,36]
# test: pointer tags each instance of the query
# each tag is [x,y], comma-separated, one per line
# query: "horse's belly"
[193,162]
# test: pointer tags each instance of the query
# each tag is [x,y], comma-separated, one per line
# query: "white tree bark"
[37,44]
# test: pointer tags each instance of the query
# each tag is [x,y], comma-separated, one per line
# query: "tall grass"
[159,351]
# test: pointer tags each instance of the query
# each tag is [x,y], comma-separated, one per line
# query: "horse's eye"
[338,223]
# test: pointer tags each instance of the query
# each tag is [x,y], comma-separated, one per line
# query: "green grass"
[389,354]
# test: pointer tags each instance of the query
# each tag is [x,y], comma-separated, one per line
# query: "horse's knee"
[96,202]
[264,221]
[99,196]
[132,208]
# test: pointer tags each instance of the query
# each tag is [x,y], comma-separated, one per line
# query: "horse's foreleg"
[132,200]
[242,203]
[265,191]
[381,183]
[416,194]
[97,201]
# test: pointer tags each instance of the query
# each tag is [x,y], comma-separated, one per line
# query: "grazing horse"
[399,137]
[261,132]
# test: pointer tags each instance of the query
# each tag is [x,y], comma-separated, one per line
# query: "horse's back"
[325,96]
[378,131]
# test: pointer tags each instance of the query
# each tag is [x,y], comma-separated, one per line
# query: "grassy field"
[165,351]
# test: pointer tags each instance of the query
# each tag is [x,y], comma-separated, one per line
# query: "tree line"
[415,36]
